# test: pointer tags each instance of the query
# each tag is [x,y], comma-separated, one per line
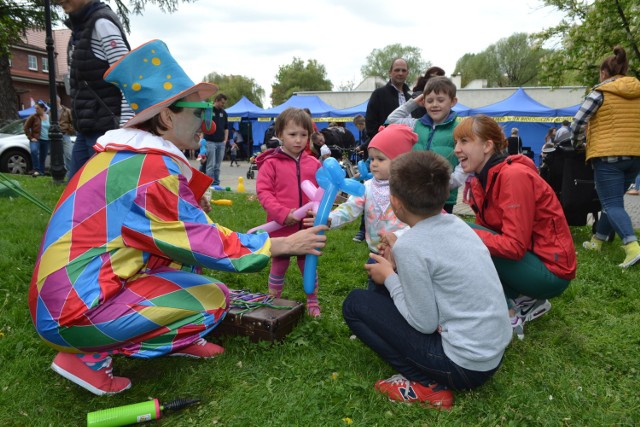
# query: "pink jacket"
[278,185]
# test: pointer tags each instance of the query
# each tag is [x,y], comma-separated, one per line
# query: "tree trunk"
[8,96]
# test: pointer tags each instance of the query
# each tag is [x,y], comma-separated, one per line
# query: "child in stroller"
[253,167]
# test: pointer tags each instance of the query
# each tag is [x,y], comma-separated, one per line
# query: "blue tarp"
[26,112]
[243,108]
[351,111]
[518,104]
[461,109]
[569,111]
[317,106]
[532,118]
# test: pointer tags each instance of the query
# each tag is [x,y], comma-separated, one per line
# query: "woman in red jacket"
[519,219]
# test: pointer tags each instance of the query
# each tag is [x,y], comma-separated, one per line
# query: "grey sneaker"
[532,309]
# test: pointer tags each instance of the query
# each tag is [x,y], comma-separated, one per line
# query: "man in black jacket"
[383,101]
[387,98]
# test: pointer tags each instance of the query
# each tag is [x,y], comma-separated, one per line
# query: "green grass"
[579,365]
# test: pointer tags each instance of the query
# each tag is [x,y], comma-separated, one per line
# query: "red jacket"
[526,214]
[278,185]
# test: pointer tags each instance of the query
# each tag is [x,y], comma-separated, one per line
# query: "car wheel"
[15,161]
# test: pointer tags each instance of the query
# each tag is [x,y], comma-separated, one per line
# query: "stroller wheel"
[250,174]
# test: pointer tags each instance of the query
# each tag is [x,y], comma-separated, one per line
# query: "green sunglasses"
[203,110]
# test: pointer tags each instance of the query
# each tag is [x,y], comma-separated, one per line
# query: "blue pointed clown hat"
[151,80]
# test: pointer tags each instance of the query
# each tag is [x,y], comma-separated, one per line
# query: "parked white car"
[15,155]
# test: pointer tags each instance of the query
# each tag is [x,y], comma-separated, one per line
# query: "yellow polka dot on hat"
[151,79]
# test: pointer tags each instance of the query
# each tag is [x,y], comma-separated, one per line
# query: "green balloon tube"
[125,415]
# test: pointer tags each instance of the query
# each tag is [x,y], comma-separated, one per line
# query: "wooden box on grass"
[263,323]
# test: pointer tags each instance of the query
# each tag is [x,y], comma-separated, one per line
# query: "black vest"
[87,85]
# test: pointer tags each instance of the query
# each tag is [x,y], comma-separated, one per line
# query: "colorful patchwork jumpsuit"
[118,267]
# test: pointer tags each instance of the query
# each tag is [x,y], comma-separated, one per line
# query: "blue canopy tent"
[351,112]
[243,109]
[318,108]
[244,112]
[569,112]
[532,118]
[461,109]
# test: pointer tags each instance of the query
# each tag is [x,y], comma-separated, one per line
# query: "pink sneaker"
[98,381]
[313,309]
[200,349]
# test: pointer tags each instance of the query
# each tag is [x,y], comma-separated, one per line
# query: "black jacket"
[87,84]
[382,103]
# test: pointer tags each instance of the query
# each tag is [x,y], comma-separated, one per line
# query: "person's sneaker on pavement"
[98,378]
[359,237]
[200,349]
[400,389]
[533,309]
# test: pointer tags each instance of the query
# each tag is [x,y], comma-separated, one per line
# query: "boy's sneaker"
[517,324]
[359,237]
[98,381]
[200,349]
[400,389]
[533,309]
[594,244]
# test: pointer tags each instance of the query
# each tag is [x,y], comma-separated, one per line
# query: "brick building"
[30,67]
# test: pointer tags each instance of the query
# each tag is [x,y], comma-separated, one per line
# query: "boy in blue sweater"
[443,324]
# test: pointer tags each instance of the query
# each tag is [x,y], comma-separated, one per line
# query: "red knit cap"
[394,140]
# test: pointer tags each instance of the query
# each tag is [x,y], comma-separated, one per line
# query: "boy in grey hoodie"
[439,316]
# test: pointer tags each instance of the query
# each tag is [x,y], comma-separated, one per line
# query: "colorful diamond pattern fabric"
[118,265]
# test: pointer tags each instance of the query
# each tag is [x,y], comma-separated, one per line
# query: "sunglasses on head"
[203,110]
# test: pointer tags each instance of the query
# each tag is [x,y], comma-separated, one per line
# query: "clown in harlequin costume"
[118,268]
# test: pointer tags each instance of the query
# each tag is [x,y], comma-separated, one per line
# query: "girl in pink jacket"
[281,171]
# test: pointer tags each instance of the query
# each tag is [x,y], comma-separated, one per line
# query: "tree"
[297,77]
[235,87]
[474,66]
[586,35]
[17,16]
[512,61]
[379,61]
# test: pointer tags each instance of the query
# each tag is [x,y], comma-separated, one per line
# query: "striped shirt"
[107,44]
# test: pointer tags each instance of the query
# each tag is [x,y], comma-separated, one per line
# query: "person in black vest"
[97,42]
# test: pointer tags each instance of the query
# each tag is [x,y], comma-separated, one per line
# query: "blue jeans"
[375,320]
[39,151]
[67,148]
[612,180]
[83,150]
[215,154]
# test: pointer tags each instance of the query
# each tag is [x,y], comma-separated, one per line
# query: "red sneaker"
[98,381]
[400,389]
[200,349]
